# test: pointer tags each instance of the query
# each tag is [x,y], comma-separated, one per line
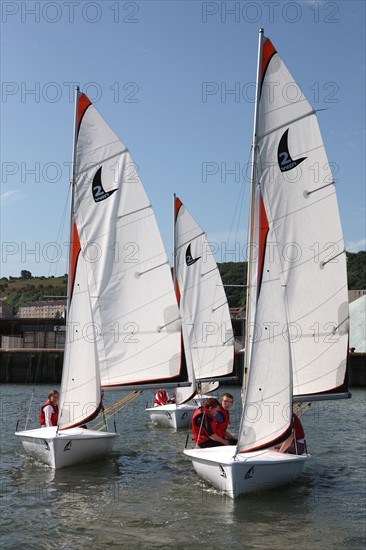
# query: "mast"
[252,202]
[72,183]
[174,244]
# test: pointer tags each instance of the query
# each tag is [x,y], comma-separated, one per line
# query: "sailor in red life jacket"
[162,398]
[222,418]
[49,410]
[204,425]
[295,444]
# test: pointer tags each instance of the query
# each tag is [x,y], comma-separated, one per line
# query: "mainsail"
[202,300]
[298,291]
[128,323]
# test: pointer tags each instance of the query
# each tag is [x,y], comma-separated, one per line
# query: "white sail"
[300,201]
[268,399]
[135,316]
[298,321]
[80,386]
[202,300]
[186,393]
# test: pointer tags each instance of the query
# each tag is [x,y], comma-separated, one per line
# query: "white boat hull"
[172,416]
[248,472]
[62,448]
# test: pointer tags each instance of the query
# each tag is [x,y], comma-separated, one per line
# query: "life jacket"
[200,434]
[54,415]
[222,422]
[161,398]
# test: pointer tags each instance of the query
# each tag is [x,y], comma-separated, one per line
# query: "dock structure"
[32,351]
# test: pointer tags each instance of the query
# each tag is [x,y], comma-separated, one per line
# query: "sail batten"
[262,136]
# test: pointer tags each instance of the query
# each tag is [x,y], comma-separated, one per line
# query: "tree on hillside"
[356,270]
[24,274]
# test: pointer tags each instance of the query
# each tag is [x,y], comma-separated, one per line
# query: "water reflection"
[147,495]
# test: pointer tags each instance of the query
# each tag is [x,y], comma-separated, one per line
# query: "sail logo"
[99,194]
[285,161]
[46,445]
[189,259]
[68,446]
[222,471]
[250,473]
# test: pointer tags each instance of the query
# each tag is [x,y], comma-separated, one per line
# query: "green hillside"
[19,290]
[235,274]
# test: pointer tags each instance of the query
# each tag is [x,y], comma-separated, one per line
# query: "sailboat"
[297,302]
[206,324]
[123,322]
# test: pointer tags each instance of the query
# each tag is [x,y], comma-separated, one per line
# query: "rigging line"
[312,112]
[239,204]
[62,226]
[123,400]
[36,373]
[29,409]
[119,406]
[300,408]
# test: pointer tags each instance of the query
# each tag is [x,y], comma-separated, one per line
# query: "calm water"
[147,495]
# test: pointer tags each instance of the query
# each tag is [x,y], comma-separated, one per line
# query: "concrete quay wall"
[38,366]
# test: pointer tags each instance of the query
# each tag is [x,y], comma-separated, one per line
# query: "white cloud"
[356,246]
[11,196]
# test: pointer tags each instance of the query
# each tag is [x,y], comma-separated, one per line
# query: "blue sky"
[174,79]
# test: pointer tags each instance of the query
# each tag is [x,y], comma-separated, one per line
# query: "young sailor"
[204,425]
[49,411]
[222,418]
